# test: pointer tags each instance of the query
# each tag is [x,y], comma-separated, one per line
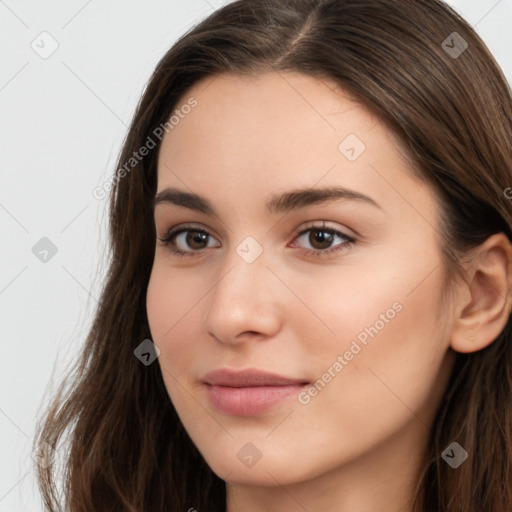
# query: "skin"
[358,445]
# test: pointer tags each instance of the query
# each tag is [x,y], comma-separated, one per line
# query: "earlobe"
[482,317]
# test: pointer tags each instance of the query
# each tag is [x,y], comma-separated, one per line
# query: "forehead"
[272,107]
[252,135]
[236,113]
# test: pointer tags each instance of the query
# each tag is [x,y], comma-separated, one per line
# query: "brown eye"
[320,239]
[187,241]
[196,239]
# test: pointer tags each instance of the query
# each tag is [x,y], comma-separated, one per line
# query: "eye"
[190,240]
[321,239]
[181,240]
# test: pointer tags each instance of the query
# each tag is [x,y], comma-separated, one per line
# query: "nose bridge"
[244,274]
[245,264]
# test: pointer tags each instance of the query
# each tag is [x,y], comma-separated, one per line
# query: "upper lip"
[248,378]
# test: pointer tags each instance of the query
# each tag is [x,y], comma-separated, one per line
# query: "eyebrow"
[286,202]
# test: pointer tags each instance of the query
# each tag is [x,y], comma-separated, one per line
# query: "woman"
[308,300]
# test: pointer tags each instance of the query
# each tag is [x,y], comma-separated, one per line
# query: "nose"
[246,302]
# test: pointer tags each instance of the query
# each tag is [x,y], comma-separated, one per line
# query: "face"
[337,289]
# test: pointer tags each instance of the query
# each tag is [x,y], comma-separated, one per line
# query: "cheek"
[174,311]
[171,298]
[392,345]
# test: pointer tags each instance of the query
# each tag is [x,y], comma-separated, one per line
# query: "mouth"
[249,392]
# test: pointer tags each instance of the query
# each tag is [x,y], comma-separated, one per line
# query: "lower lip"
[249,401]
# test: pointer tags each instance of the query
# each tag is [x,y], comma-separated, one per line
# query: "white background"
[62,122]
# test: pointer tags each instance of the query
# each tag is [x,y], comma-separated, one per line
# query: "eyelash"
[349,241]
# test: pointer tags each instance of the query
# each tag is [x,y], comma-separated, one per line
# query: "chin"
[264,476]
[270,471]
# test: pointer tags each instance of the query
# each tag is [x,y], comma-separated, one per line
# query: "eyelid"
[317,225]
[349,233]
[175,230]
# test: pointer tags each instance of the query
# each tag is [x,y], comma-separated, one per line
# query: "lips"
[249,392]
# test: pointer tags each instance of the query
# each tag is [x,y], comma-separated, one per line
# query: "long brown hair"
[423,71]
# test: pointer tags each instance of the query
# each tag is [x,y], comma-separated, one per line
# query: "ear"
[485,298]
